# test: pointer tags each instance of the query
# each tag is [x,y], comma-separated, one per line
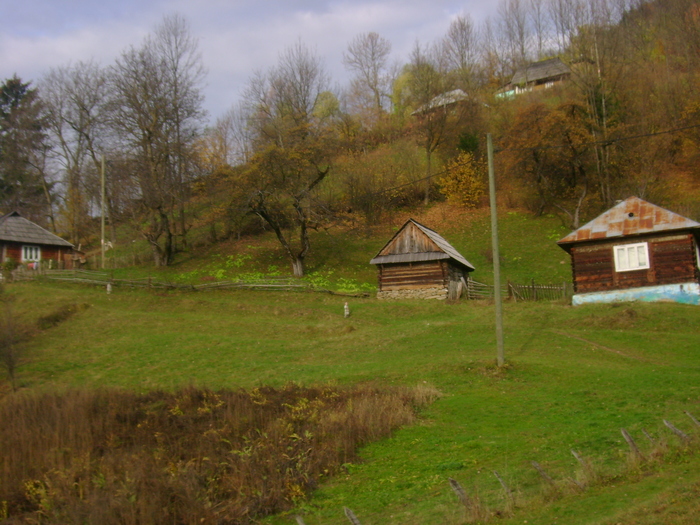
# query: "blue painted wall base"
[686,293]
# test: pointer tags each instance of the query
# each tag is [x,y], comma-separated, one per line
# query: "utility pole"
[496,256]
[102,190]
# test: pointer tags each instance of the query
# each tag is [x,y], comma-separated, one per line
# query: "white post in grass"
[496,256]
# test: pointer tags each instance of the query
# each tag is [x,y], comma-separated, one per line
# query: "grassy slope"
[576,376]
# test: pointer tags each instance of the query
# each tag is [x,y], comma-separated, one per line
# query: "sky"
[236,37]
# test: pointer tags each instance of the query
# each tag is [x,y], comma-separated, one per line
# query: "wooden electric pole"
[496,256]
[102,206]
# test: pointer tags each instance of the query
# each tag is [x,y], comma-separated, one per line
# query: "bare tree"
[76,98]
[539,22]
[156,110]
[184,75]
[461,50]
[513,23]
[367,56]
[231,137]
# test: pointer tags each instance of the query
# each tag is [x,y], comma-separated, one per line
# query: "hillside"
[574,378]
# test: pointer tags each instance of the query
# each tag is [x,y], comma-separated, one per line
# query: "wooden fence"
[471,289]
[105,279]
[518,292]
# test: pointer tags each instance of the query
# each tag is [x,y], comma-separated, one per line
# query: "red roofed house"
[418,262]
[27,243]
[635,251]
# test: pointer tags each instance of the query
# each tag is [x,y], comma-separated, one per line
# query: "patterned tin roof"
[436,248]
[632,216]
[15,228]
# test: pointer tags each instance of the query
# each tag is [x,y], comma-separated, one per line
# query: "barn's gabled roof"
[632,216]
[544,69]
[15,228]
[415,243]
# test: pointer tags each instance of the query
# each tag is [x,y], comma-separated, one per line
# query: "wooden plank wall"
[410,240]
[672,260]
[412,275]
[13,251]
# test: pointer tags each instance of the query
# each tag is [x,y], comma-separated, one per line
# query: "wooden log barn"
[28,244]
[635,251]
[418,263]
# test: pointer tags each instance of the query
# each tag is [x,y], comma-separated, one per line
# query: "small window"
[631,257]
[31,253]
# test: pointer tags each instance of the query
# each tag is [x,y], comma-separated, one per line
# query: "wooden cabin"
[536,76]
[635,251]
[28,244]
[418,263]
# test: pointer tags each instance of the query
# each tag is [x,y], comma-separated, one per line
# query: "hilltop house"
[536,76]
[27,243]
[443,101]
[418,263]
[635,251]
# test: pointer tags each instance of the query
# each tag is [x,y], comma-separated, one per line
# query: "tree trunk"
[298,267]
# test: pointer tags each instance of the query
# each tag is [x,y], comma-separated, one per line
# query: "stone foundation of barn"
[418,293]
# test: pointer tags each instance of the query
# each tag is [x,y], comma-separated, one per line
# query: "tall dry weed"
[192,456]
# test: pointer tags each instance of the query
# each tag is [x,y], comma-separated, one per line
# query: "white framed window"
[31,253]
[631,257]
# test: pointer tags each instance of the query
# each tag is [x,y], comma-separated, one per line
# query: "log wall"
[412,276]
[672,260]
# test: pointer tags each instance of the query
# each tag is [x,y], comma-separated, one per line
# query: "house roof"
[550,68]
[15,228]
[405,247]
[445,99]
[632,216]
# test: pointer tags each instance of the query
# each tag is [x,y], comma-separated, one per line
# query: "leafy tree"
[547,149]
[463,181]
[293,149]
[23,185]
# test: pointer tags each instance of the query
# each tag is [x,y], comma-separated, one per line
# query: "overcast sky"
[236,37]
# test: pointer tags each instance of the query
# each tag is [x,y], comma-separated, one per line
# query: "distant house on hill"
[443,101]
[538,75]
[635,251]
[27,243]
[418,263]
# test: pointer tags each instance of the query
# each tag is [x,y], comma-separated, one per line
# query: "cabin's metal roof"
[445,99]
[550,68]
[632,216]
[15,228]
[448,251]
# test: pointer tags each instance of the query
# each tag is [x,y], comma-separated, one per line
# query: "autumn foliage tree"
[291,112]
[548,149]
[463,181]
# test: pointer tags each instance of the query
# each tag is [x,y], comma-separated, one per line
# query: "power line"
[605,142]
[542,148]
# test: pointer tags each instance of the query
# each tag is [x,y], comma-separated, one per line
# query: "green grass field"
[574,378]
